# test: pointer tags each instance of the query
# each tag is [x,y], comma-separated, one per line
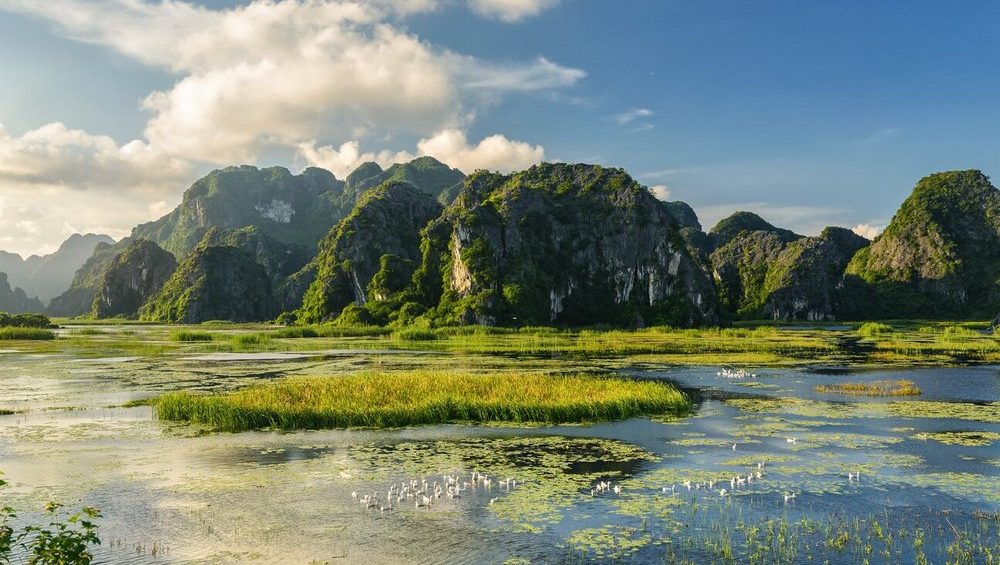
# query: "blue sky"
[808,113]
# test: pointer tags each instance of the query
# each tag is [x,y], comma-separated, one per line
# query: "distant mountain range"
[555,244]
[46,276]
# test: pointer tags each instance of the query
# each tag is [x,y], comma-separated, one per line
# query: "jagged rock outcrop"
[135,275]
[740,268]
[372,253]
[740,222]
[214,283]
[47,276]
[290,209]
[766,272]
[279,260]
[14,300]
[559,243]
[78,300]
[939,256]
[425,173]
[804,282]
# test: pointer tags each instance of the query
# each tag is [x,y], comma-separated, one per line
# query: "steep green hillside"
[372,253]
[214,283]
[291,209]
[940,255]
[426,173]
[136,274]
[557,243]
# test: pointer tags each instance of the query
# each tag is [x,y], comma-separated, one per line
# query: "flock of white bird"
[736,373]
[424,493]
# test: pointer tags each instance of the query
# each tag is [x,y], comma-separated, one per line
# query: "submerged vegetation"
[901,387]
[392,399]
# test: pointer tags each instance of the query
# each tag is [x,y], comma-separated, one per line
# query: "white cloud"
[55,155]
[278,73]
[510,10]
[344,159]
[259,77]
[450,146]
[628,117]
[496,152]
[55,176]
[868,231]
[660,191]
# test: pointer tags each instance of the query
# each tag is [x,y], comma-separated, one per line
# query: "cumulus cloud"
[282,72]
[58,181]
[251,79]
[868,231]
[660,191]
[496,152]
[510,10]
[450,146]
[55,155]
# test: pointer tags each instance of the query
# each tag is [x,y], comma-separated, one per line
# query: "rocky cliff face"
[566,244]
[214,283]
[372,253]
[279,260]
[940,255]
[291,209]
[14,300]
[135,275]
[805,281]
[767,272]
[425,173]
[740,222]
[740,268]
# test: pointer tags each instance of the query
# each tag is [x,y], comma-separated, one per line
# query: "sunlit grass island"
[411,398]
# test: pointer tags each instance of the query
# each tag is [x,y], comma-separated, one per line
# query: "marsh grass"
[415,334]
[874,329]
[190,336]
[251,341]
[394,399]
[14,333]
[901,387]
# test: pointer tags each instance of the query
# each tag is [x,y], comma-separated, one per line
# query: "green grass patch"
[388,399]
[190,335]
[251,341]
[13,333]
[874,329]
[901,387]
[415,334]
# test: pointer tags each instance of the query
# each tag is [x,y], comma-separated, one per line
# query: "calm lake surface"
[175,493]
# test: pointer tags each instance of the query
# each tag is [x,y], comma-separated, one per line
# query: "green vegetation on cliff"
[372,253]
[940,255]
[291,209]
[569,244]
[135,275]
[213,283]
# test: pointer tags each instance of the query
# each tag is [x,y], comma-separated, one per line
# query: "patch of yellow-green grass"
[874,329]
[900,387]
[15,334]
[190,335]
[394,399]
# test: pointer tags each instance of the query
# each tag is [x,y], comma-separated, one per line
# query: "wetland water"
[174,493]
